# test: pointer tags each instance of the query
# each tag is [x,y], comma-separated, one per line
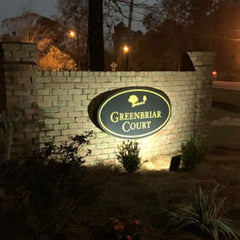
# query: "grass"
[143,195]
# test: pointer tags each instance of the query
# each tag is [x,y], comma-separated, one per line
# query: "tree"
[227,39]
[18,28]
[107,13]
[205,25]
[56,60]
[158,50]
[74,16]
[197,16]
[127,11]
[46,33]
[120,38]
[31,28]
[95,28]
[95,35]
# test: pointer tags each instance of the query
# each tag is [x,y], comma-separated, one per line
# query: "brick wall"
[55,104]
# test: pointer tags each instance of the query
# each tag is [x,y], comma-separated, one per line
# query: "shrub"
[8,122]
[204,215]
[42,197]
[193,152]
[72,153]
[128,156]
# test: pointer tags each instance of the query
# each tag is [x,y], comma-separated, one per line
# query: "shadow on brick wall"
[2,83]
[95,103]
[186,63]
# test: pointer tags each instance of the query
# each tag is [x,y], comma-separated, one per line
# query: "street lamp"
[125,48]
[214,74]
[126,51]
[72,33]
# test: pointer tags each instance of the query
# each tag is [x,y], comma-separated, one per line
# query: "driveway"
[227,85]
[225,115]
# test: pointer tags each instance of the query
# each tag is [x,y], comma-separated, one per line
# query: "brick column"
[18,70]
[203,64]
[2,83]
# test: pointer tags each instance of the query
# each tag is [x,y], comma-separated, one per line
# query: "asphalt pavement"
[227,85]
[225,115]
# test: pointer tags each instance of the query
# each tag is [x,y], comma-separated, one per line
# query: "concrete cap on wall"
[201,58]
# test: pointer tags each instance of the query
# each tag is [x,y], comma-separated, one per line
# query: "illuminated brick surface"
[55,104]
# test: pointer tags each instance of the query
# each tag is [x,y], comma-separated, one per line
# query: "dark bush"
[43,196]
[72,153]
[193,152]
[128,156]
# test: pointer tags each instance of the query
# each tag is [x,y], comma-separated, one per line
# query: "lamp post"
[126,51]
[74,34]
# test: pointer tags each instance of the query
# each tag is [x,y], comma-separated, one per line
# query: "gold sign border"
[133,136]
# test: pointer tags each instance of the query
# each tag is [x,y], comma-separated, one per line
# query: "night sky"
[47,8]
[13,8]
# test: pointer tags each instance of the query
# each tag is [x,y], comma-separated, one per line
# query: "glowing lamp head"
[214,74]
[72,34]
[125,48]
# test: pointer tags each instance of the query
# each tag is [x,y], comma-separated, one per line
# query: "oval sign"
[134,112]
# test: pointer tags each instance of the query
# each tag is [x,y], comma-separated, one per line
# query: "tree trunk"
[130,15]
[95,35]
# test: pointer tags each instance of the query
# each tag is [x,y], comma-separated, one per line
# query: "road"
[227,85]
[225,115]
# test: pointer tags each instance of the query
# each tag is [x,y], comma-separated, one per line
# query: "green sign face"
[134,112]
